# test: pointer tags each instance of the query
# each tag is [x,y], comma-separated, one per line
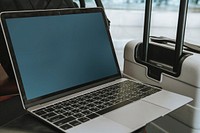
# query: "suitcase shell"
[187,83]
[169,67]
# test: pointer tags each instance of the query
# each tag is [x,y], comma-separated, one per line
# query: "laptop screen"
[61,52]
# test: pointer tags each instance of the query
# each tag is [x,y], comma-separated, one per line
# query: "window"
[139,4]
[127,20]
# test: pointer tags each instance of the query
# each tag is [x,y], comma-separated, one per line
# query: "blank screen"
[56,53]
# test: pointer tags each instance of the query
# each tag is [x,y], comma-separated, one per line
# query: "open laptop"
[67,73]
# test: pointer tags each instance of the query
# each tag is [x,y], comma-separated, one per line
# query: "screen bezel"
[37,13]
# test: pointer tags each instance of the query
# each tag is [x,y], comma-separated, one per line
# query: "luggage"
[174,68]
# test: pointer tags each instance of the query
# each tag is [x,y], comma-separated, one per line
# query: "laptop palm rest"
[136,115]
[100,125]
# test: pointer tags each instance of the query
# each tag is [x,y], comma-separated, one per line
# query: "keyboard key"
[64,121]
[95,109]
[49,115]
[89,100]
[59,111]
[104,100]
[64,104]
[83,119]
[58,107]
[83,108]
[67,114]
[68,108]
[101,106]
[92,116]
[66,126]
[75,123]
[49,109]
[97,98]
[40,112]
[79,115]
[108,104]
[90,105]
[87,112]
[56,118]
[98,102]
[75,105]
[75,111]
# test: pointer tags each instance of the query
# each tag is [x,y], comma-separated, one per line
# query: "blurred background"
[127,21]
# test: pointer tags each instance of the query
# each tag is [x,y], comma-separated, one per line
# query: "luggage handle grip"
[165,40]
[180,31]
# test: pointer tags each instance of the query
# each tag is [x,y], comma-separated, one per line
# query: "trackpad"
[166,99]
[137,114]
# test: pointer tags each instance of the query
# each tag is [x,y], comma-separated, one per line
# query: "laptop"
[68,75]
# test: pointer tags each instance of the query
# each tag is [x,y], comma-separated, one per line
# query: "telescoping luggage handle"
[177,53]
[180,30]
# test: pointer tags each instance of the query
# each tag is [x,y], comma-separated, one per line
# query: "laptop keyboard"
[72,112]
